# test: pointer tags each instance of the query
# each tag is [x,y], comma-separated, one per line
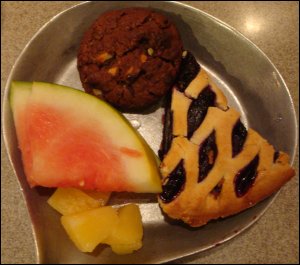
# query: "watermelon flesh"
[71,139]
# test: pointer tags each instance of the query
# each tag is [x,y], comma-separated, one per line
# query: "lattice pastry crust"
[219,168]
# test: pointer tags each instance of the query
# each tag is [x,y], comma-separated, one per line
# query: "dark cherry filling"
[275,156]
[207,155]
[245,178]
[167,130]
[189,68]
[174,184]
[198,109]
[217,189]
[239,135]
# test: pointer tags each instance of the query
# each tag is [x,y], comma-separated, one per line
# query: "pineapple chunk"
[127,236]
[70,201]
[102,197]
[90,228]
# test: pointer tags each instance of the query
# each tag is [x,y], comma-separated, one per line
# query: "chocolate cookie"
[130,57]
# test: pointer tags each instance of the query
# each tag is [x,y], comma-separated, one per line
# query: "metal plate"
[249,80]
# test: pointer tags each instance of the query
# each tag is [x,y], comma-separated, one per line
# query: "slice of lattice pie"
[212,166]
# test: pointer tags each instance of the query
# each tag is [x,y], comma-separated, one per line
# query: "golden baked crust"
[223,191]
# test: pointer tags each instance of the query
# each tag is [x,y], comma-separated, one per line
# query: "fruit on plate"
[70,200]
[122,229]
[128,234]
[101,197]
[19,94]
[69,138]
[90,228]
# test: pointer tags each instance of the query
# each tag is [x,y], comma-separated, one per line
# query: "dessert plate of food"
[143,132]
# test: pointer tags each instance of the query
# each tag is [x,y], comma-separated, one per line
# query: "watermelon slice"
[71,139]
